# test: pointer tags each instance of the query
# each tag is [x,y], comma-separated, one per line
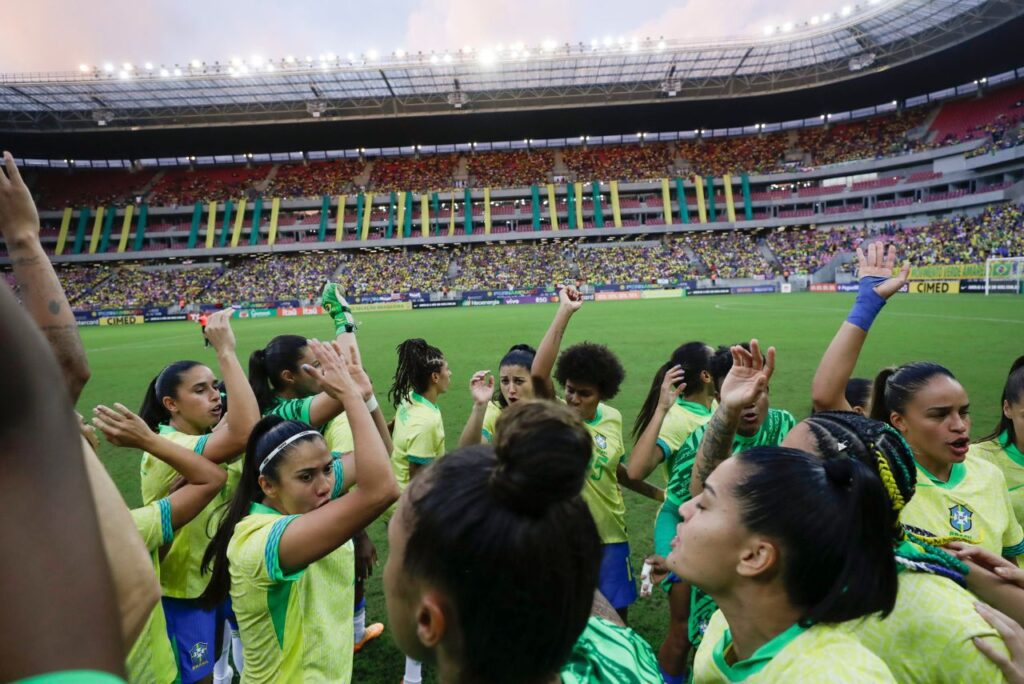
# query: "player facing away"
[277,551]
[785,581]
[204,319]
[183,405]
[514,384]
[421,377]
[518,505]
[590,375]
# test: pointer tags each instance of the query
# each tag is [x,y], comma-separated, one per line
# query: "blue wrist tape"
[867,304]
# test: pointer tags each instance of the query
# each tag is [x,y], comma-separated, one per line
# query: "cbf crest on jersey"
[198,655]
[961,518]
[601,441]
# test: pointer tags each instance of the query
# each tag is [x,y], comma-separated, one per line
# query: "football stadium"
[383,351]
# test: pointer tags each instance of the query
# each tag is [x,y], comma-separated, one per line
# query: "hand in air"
[569,298]
[121,427]
[333,373]
[672,387]
[19,220]
[748,377]
[879,262]
[481,387]
[219,332]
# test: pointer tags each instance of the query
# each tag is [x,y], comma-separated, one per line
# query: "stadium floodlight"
[108,68]
[331,57]
[815,20]
[594,43]
[662,45]
[634,45]
[196,64]
[164,73]
[270,67]
[488,57]
[177,71]
[84,68]
[549,45]
[372,54]
[447,59]
[236,62]
[400,53]
[607,42]
[769,30]
[787,27]
[123,75]
[149,66]
[290,59]
[846,11]
[827,16]
[256,61]
[127,66]
[434,59]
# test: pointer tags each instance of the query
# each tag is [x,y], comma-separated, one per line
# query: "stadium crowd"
[805,250]
[184,187]
[639,162]
[419,174]
[513,169]
[881,136]
[315,178]
[268,278]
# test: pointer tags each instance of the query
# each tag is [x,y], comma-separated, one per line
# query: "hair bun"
[839,472]
[542,453]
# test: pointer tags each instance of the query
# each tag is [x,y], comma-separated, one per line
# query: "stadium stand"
[179,187]
[619,162]
[315,178]
[56,189]
[421,173]
[510,169]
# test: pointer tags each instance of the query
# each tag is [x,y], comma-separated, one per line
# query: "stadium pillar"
[193,231]
[97,227]
[467,212]
[577,190]
[702,211]
[451,215]
[487,211]
[595,189]
[730,207]
[748,210]
[535,205]
[275,209]
[684,212]
[140,227]
[435,205]
[126,227]
[570,205]
[425,214]
[211,224]
[400,221]
[616,213]
[710,182]
[339,219]
[65,224]
[225,225]
[236,233]
[407,223]
[257,218]
[392,198]
[666,201]
[325,216]
[83,222]
[552,207]
[108,228]
[366,216]
[360,211]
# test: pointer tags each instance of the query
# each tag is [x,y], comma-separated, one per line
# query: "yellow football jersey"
[974,505]
[1005,455]
[821,654]
[601,489]
[418,436]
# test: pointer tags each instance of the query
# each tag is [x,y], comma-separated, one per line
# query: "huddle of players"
[841,548]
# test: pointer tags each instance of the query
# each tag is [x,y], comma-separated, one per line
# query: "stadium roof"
[372,94]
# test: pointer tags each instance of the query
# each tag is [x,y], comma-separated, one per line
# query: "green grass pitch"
[976,337]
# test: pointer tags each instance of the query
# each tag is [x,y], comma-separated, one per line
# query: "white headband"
[283,445]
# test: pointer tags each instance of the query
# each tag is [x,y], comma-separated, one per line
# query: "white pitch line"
[891,313]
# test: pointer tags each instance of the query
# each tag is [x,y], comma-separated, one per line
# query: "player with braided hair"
[937,616]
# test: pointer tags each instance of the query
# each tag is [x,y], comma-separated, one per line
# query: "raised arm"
[569,302]
[228,441]
[203,478]
[646,454]
[313,535]
[877,284]
[481,388]
[40,290]
[746,380]
[350,349]
[54,570]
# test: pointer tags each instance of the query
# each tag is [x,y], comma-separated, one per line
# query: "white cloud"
[451,24]
[715,19]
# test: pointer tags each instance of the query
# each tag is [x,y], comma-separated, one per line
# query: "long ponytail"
[266,365]
[165,384]
[895,387]
[694,358]
[266,435]
[417,361]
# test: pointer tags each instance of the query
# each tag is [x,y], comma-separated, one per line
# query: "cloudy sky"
[58,35]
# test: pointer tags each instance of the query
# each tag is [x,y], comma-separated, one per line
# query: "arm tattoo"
[715,447]
[54,307]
